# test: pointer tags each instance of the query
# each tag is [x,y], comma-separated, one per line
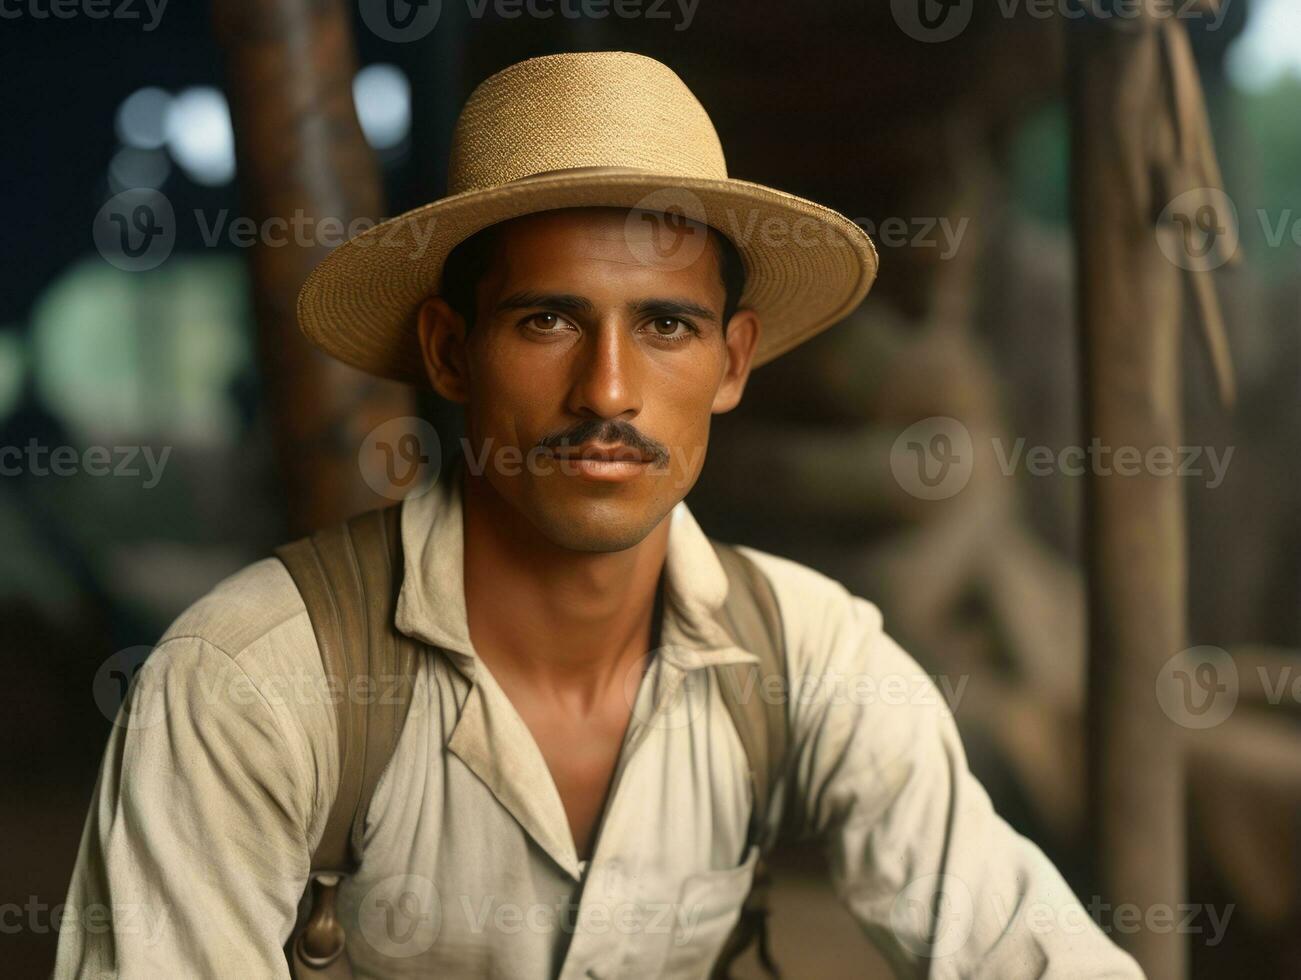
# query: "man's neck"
[568,623]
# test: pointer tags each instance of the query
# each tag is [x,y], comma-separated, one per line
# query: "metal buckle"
[321,940]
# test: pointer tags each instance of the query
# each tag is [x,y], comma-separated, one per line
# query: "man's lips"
[606,454]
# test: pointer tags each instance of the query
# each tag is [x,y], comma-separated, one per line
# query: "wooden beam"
[1130,312]
[303,160]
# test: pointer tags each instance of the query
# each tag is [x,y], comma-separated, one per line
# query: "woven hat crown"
[568,111]
[597,129]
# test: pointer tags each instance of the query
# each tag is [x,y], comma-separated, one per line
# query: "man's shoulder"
[244,649]
[812,603]
[244,612]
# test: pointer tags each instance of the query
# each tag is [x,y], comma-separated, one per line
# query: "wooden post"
[303,160]
[1130,310]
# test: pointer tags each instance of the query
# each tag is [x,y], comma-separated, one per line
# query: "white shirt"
[220,772]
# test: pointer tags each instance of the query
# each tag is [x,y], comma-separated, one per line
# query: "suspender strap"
[756,696]
[349,576]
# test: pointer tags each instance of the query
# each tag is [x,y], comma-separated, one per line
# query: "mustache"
[607,431]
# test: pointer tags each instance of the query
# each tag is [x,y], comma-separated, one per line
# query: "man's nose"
[607,382]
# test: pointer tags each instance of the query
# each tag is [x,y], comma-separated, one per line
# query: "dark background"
[827,99]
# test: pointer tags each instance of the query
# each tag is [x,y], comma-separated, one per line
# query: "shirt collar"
[431,603]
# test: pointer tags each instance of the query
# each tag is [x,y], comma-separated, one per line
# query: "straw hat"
[582,130]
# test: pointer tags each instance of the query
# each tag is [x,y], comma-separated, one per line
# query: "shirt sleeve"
[196,849]
[939,882]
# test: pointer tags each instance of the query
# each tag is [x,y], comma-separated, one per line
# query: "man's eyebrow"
[669,306]
[529,299]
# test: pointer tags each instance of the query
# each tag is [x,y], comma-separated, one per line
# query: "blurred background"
[162,426]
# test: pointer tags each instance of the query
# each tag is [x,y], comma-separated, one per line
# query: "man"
[568,795]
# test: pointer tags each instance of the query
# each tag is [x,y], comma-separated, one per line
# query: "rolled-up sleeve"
[940,883]
[195,850]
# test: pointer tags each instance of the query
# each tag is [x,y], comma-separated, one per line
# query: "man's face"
[591,373]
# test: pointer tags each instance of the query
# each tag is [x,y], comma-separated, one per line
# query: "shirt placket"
[608,911]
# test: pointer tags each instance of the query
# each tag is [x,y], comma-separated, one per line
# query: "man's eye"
[546,322]
[671,327]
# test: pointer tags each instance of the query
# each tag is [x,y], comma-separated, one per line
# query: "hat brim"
[807,267]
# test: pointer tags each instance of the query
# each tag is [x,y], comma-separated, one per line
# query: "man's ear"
[742,341]
[442,345]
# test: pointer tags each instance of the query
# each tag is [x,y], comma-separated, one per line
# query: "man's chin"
[597,525]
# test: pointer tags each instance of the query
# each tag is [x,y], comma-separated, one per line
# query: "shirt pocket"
[708,908]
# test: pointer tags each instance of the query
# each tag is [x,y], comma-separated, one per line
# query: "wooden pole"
[1130,308]
[304,161]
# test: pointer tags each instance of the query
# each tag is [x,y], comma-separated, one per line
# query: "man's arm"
[198,840]
[936,878]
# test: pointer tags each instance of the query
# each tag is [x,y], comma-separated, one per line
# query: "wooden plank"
[303,159]
[1130,299]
